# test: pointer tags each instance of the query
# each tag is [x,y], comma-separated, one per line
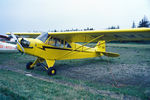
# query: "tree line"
[73,29]
[144,22]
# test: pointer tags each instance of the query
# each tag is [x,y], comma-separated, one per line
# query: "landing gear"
[49,67]
[31,65]
[51,71]
[28,65]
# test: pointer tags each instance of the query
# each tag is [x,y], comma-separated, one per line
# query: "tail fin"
[100,46]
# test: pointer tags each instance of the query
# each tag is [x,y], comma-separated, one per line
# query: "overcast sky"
[42,15]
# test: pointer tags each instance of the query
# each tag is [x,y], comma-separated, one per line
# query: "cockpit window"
[43,37]
[58,43]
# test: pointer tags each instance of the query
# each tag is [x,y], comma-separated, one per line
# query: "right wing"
[108,35]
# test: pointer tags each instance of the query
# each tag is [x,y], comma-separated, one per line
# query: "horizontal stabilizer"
[110,54]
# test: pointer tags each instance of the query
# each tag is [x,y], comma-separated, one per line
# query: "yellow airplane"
[50,47]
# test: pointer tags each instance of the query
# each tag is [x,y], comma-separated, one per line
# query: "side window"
[51,41]
[58,43]
[62,43]
[67,45]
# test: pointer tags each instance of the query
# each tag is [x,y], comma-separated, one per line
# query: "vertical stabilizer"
[100,46]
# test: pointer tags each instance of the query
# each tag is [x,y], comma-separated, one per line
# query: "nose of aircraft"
[18,43]
[27,44]
[19,46]
[24,43]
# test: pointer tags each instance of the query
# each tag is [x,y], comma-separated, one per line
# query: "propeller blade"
[15,38]
[20,46]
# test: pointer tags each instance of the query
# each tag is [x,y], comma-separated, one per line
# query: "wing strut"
[81,46]
[90,41]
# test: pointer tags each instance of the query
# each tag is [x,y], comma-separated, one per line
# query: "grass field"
[124,78]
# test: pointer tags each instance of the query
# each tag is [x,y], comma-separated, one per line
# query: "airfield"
[124,78]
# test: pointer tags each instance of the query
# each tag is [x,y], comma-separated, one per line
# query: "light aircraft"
[7,45]
[50,47]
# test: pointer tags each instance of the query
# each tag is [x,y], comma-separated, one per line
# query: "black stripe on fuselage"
[47,47]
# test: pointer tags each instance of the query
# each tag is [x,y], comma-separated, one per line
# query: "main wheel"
[28,65]
[51,71]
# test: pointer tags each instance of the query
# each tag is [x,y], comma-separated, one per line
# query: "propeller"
[15,38]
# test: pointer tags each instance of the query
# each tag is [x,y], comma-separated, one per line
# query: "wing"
[25,34]
[108,35]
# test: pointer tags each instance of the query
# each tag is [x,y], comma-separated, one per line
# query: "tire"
[38,64]
[51,71]
[28,65]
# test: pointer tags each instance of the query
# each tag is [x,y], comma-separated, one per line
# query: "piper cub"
[50,47]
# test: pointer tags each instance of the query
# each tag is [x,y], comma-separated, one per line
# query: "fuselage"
[60,51]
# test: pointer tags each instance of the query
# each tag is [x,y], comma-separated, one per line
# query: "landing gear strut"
[28,65]
[50,69]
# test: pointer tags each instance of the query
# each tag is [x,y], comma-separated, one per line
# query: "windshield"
[43,37]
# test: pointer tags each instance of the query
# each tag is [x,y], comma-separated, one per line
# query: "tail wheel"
[51,71]
[28,66]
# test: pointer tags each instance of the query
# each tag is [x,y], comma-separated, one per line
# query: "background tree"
[114,27]
[133,25]
[144,22]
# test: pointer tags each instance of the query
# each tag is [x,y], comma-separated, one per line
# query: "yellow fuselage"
[42,50]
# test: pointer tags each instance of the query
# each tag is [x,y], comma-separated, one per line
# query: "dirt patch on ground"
[131,68]
[128,74]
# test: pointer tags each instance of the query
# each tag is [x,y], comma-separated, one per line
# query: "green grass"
[125,90]
[6,94]
[136,91]
[18,86]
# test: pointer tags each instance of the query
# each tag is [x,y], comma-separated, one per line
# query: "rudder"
[100,46]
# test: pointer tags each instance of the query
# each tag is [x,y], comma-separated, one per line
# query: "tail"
[101,48]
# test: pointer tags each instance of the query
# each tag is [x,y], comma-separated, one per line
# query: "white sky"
[42,15]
